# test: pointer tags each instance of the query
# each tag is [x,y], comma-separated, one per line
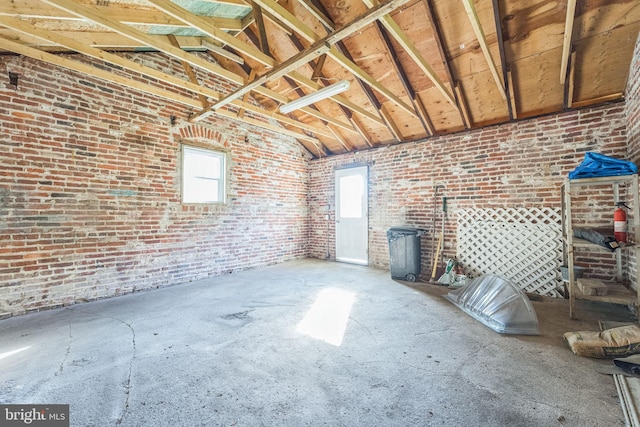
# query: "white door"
[352,237]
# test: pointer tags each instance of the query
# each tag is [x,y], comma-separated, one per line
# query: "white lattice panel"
[523,245]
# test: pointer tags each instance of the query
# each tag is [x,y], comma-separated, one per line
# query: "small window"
[203,175]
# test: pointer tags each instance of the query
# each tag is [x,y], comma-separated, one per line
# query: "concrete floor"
[225,351]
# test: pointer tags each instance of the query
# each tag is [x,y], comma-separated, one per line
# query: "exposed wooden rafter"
[89,12]
[284,68]
[465,113]
[413,52]
[402,75]
[35,9]
[567,98]
[136,85]
[300,79]
[202,92]
[320,47]
[317,68]
[25,27]
[263,41]
[428,72]
[477,28]
[202,24]
[319,14]
[503,56]
[373,99]
[566,39]
[187,69]
[512,94]
[212,47]
[309,35]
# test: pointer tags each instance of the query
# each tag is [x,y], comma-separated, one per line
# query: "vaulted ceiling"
[417,68]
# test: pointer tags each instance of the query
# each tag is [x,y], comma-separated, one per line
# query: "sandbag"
[611,343]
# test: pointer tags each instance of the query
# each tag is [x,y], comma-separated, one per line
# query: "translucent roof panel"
[497,303]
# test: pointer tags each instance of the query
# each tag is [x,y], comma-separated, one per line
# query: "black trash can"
[404,252]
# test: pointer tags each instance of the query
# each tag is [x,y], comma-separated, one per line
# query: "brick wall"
[521,164]
[632,106]
[90,191]
[632,116]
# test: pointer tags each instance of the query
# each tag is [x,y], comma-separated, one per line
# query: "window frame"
[222,179]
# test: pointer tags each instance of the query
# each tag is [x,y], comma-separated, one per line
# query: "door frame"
[363,171]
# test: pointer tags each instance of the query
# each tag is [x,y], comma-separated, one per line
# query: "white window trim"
[221,181]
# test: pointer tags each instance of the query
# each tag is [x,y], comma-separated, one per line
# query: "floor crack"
[66,355]
[127,384]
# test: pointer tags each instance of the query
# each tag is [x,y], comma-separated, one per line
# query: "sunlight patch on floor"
[327,319]
[12,352]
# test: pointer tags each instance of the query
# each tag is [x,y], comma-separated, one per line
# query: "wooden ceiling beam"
[89,70]
[35,9]
[72,44]
[318,48]
[308,34]
[599,100]
[463,106]
[503,57]
[512,93]
[317,68]
[250,19]
[116,60]
[567,93]
[109,40]
[245,98]
[477,28]
[422,110]
[314,112]
[361,131]
[187,69]
[363,76]
[566,40]
[384,115]
[269,126]
[402,75]
[212,47]
[340,139]
[340,100]
[202,24]
[291,64]
[317,13]
[263,41]
[346,106]
[411,50]
[90,13]
[365,88]
[433,21]
[391,125]
[240,3]
[572,79]
[431,17]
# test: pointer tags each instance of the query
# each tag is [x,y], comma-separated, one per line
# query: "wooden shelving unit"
[617,293]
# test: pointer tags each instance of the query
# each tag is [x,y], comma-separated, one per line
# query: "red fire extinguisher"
[620,222]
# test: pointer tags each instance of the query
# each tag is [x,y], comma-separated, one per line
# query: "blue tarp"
[596,164]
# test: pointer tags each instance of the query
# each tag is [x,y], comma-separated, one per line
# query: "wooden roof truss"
[418,68]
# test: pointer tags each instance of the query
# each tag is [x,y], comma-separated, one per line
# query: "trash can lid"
[407,230]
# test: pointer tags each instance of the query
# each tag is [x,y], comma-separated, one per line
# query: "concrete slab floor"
[227,351]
